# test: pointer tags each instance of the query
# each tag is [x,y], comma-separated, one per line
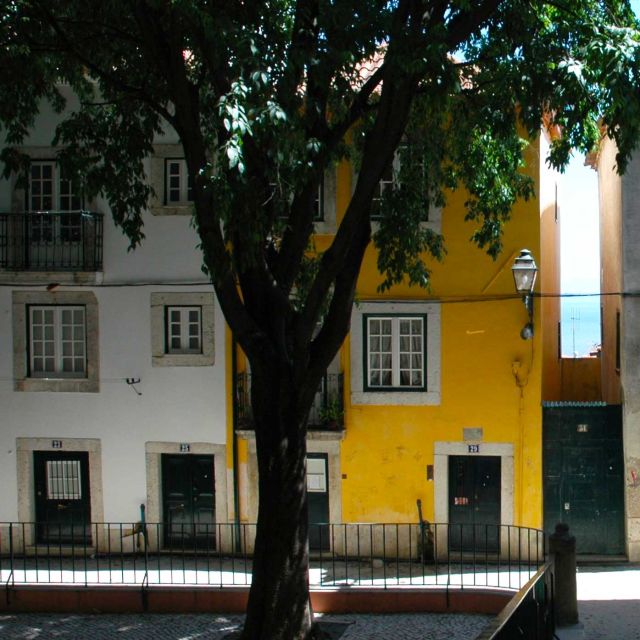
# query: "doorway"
[474,503]
[584,475]
[62,500]
[318,501]
[188,501]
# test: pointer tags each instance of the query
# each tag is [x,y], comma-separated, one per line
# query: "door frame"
[153,465]
[26,480]
[442,451]
[194,540]
[323,531]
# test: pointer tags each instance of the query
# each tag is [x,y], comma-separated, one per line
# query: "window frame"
[184,335]
[395,352]
[58,341]
[360,392]
[23,380]
[185,189]
[160,302]
[430,215]
[59,183]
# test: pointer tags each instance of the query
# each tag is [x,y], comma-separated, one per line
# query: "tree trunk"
[279,606]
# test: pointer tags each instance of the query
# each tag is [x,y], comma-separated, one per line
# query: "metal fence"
[220,555]
[530,613]
[47,240]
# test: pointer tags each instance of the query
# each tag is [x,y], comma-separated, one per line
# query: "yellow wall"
[387,448]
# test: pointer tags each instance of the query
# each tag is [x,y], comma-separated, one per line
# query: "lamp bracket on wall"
[132,382]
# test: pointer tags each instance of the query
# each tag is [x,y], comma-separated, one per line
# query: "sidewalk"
[609,602]
[215,626]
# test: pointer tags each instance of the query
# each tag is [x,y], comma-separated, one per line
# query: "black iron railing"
[529,614]
[326,412]
[51,241]
[355,554]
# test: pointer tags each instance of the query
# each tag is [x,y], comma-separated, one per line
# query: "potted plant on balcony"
[331,413]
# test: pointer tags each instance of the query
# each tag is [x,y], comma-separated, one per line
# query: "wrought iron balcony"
[326,412]
[51,241]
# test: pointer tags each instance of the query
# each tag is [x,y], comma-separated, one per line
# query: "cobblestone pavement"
[216,626]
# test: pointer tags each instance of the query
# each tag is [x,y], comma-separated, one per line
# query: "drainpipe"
[234,426]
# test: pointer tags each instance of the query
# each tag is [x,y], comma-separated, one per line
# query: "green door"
[188,493]
[63,505]
[474,503]
[583,475]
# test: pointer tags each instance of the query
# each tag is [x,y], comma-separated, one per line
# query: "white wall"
[178,404]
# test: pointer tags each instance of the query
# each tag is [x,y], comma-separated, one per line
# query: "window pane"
[57,341]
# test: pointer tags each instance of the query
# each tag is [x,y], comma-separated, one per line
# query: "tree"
[265,96]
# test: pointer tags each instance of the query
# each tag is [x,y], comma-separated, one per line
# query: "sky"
[580,258]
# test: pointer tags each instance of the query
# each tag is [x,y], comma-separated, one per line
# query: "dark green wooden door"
[188,492]
[474,503]
[63,505]
[318,500]
[583,475]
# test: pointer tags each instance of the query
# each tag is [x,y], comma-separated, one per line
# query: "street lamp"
[524,271]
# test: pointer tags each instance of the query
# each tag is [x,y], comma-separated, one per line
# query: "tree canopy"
[265,97]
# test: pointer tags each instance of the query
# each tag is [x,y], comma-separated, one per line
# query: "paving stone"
[215,627]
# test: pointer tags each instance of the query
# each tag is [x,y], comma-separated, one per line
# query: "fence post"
[562,547]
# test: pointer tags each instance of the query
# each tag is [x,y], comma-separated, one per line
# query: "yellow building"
[442,396]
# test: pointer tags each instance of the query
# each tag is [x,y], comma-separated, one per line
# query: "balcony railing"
[326,411]
[51,241]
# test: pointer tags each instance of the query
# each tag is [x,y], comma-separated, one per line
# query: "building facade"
[113,378]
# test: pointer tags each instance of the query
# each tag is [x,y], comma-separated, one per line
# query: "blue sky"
[580,249]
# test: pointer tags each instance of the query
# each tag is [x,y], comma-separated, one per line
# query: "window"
[386,182]
[57,342]
[395,352]
[51,190]
[178,184]
[63,480]
[390,180]
[397,344]
[184,330]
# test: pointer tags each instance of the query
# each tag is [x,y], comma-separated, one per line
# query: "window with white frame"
[57,342]
[395,352]
[50,189]
[386,182]
[184,330]
[178,185]
[390,179]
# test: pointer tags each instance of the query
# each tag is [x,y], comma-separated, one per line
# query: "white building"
[112,376]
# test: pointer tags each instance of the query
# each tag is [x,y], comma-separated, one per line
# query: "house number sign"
[474,448]
[185,447]
[56,444]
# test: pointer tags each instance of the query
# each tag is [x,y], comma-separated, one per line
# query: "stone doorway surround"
[442,451]
[153,454]
[26,486]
